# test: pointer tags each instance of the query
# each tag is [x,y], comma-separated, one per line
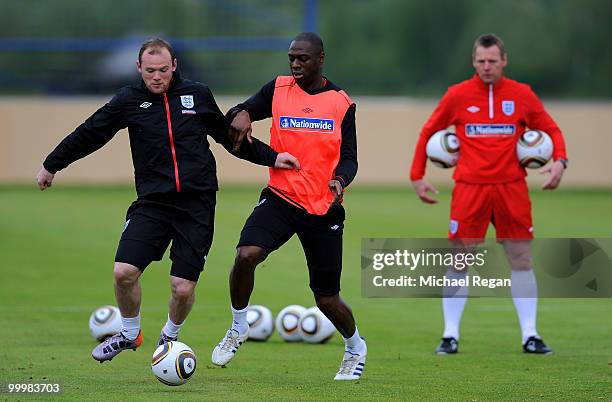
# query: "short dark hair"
[312,38]
[154,46]
[488,40]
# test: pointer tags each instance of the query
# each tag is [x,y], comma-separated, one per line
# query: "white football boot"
[352,365]
[226,349]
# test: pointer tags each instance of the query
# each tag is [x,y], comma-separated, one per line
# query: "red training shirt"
[488,119]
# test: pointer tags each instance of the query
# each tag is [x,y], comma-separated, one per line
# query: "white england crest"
[508,107]
[453,226]
[187,101]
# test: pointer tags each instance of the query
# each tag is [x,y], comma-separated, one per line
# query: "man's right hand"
[285,160]
[240,128]
[422,187]
[44,179]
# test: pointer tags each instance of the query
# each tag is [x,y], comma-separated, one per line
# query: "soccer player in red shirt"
[490,112]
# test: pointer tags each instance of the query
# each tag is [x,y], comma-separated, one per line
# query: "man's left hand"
[335,187]
[556,170]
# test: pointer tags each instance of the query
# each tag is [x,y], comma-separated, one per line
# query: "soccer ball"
[314,327]
[261,323]
[443,149]
[287,323]
[534,149]
[173,363]
[105,322]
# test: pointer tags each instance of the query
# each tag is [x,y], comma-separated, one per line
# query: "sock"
[240,323]
[171,329]
[453,304]
[525,296]
[355,344]
[130,326]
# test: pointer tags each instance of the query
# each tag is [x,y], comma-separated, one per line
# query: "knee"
[182,289]
[519,255]
[326,303]
[520,261]
[126,274]
[247,257]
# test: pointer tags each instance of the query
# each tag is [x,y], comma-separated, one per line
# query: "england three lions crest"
[187,101]
[508,107]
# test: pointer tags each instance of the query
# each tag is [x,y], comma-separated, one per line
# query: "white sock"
[525,296]
[453,304]
[130,326]
[355,344]
[240,323]
[171,329]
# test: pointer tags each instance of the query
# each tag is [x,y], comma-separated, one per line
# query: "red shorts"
[506,205]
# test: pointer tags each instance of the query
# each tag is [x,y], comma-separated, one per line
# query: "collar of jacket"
[176,80]
[482,85]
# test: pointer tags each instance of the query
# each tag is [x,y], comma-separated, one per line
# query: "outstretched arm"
[90,136]
[256,151]
[253,150]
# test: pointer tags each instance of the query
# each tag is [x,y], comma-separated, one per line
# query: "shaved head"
[315,41]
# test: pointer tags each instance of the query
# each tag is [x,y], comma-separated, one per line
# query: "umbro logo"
[126,225]
[307,110]
[473,109]
[145,105]
[335,227]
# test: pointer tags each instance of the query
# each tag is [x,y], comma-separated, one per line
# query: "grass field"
[57,249]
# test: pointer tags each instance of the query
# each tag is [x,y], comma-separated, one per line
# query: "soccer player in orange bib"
[490,112]
[314,120]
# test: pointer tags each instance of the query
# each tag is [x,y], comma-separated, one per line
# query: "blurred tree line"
[561,47]
[385,47]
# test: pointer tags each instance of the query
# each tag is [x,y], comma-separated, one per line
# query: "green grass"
[57,250]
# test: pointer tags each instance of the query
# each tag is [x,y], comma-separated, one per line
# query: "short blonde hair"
[488,40]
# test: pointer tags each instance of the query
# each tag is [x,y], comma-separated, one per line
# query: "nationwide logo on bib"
[476,130]
[306,124]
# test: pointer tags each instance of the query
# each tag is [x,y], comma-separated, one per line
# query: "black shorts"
[274,221]
[186,219]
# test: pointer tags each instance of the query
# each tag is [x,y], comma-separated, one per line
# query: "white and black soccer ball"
[443,149]
[534,149]
[104,322]
[173,363]
[287,322]
[314,327]
[261,322]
